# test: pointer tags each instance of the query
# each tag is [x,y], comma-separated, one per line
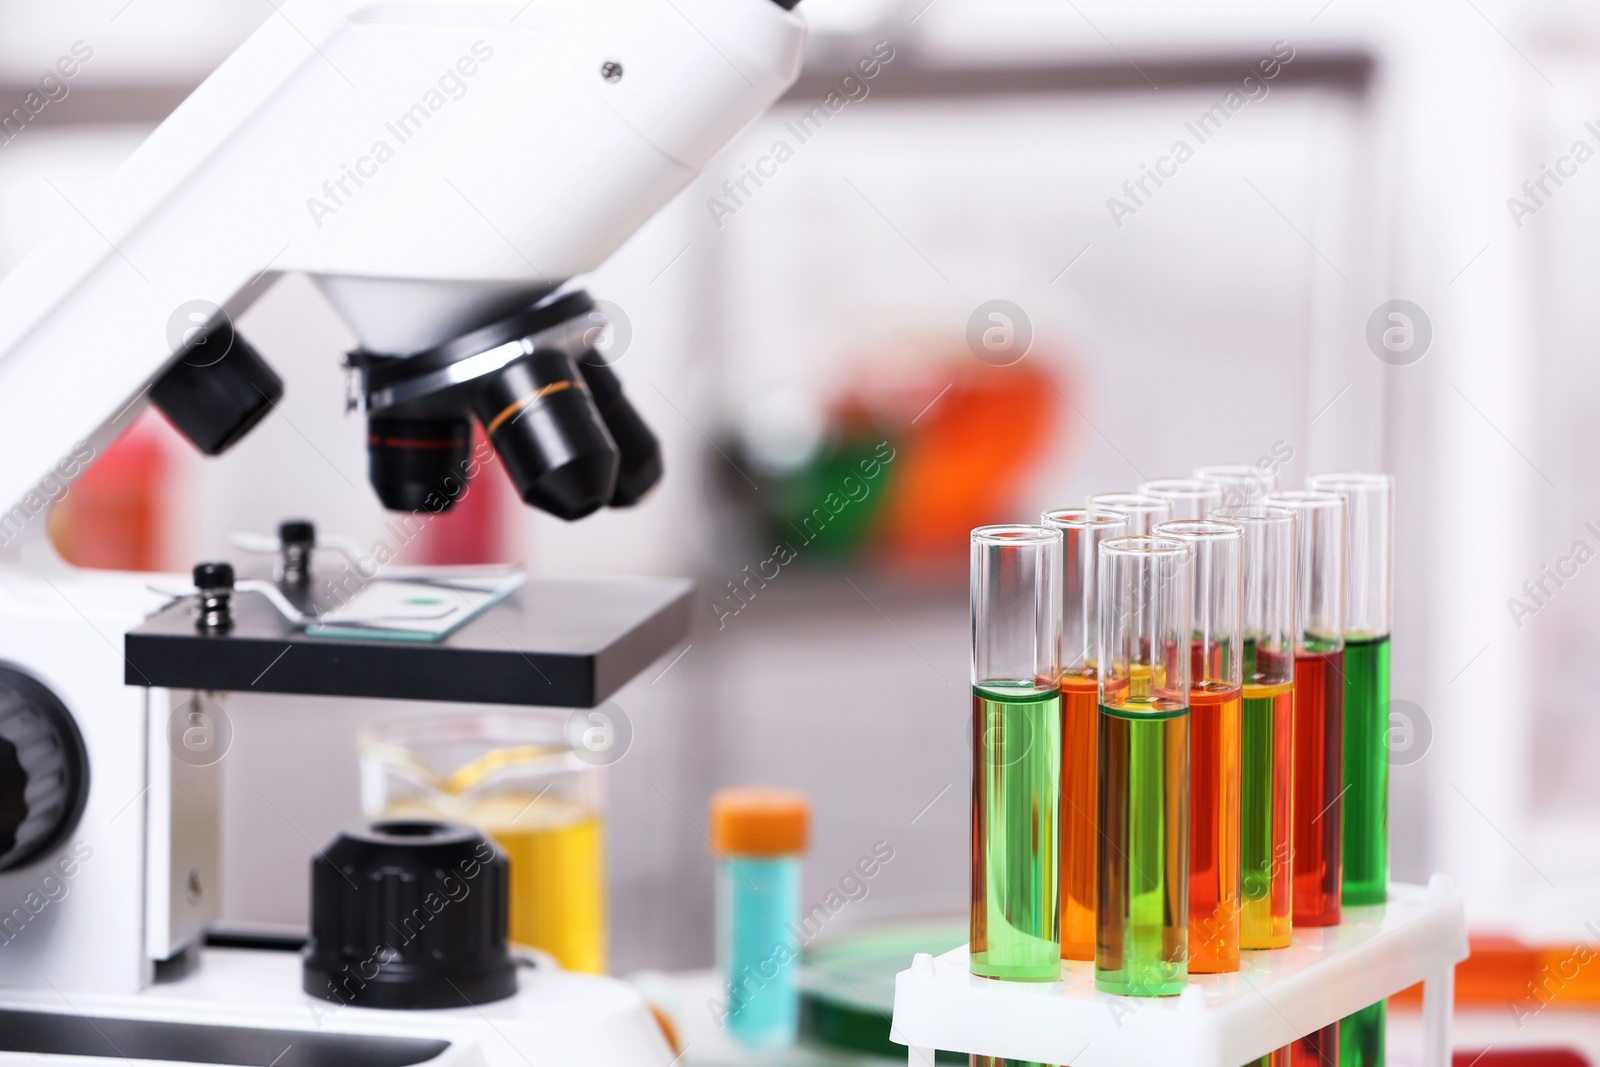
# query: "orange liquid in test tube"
[1214,786]
[1080,704]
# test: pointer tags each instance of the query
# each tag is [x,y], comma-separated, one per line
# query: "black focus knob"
[214,583]
[297,532]
[410,914]
[213,577]
[296,539]
[44,771]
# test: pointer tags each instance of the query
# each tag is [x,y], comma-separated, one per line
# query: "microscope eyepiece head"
[217,390]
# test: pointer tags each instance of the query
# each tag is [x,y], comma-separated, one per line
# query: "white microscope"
[441,169]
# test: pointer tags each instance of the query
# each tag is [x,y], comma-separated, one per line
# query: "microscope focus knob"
[301,532]
[213,577]
[296,539]
[44,771]
[410,914]
[214,583]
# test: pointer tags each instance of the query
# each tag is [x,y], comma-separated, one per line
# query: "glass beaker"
[514,776]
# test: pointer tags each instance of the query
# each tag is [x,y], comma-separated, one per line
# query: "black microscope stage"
[555,642]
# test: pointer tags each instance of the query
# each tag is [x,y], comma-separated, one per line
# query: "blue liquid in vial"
[759,948]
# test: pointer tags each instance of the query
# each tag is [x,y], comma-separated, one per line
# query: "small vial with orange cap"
[760,833]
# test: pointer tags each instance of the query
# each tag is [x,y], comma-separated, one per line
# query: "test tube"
[1082,532]
[1241,483]
[1016,750]
[1318,1049]
[1216,690]
[1187,498]
[760,833]
[1318,702]
[1142,902]
[1144,512]
[1369,513]
[1268,772]
[1369,517]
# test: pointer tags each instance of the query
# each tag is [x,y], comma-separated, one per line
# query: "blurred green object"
[829,505]
[847,992]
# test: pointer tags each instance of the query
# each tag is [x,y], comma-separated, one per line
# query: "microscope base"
[245,1006]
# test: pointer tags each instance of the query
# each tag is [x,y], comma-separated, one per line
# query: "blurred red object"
[1519,1057]
[1504,972]
[114,516]
[473,530]
[965,457]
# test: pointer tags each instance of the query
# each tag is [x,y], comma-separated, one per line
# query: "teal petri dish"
[847,985]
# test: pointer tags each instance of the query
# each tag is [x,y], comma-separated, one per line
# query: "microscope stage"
[555,642]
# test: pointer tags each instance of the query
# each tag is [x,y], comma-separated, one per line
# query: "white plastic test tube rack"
[1220,1020]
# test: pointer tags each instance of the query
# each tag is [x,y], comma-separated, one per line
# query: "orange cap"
[758,820]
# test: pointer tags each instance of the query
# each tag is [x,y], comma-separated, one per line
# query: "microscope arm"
[428,163]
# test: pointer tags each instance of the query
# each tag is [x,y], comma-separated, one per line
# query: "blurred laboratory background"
[1192,226]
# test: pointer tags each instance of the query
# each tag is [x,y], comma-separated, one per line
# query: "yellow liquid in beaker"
[557,854]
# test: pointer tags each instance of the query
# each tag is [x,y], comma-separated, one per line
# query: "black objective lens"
[418,464]
[639,467]
[542,421]
[218,391]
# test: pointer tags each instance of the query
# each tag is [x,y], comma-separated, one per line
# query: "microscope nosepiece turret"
[549,405]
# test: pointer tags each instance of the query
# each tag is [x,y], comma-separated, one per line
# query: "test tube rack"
[1219,1020]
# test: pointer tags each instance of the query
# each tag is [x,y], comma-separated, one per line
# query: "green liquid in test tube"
[1142,901]
[1018,733]
[1366,770]
[1016,751]
[1369,510]
[1266,803]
